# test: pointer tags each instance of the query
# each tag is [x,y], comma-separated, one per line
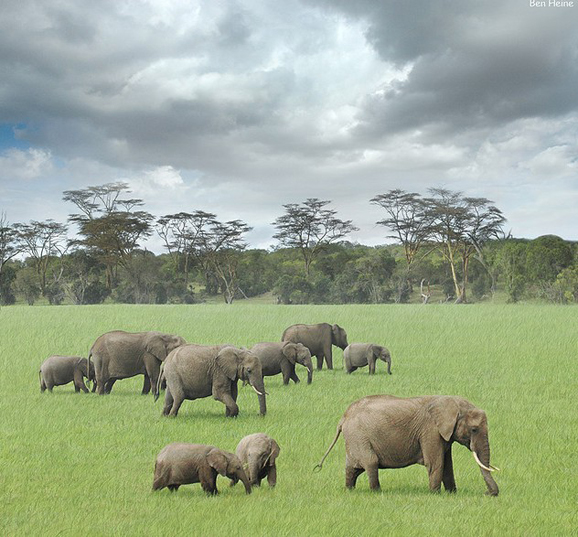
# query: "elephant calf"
[383,431]
[258,453]
[281,358]
[181,464]
[360,354]
[59,370]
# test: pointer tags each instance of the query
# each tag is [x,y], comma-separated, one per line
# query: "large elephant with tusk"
[196,371]
[383,431]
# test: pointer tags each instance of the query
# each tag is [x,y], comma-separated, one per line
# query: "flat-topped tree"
[109,224]
[310,227]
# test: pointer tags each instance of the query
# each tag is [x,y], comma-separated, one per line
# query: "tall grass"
[76,464]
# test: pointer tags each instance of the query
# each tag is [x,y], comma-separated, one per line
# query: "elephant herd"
[380,431]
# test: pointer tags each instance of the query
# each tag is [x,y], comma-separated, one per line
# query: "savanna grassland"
[76,464]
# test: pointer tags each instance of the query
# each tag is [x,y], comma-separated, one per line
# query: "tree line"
[447,247]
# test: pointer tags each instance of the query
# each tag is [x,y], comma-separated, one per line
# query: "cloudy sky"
[237,107]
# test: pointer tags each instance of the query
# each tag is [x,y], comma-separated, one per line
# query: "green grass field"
[76,464]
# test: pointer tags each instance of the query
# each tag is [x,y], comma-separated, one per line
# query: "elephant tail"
[159,383]
[337,433]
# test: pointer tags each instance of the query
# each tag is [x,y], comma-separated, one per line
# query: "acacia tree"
[42,241]
[9,243]
[461,227]
[181,233]
[109,225]
[410,222]
[310,228]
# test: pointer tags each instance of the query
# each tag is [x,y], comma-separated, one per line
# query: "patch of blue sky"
[9,138]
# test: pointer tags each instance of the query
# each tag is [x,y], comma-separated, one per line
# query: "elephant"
[196,371]
[258,453]
[281,358]
[119,355]
[59,370]
[180,463]
[360,354]
[384,431]
[318,338]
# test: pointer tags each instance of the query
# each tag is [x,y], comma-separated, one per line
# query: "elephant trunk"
[388,361]
[259,386]
[308,363]
[481,451]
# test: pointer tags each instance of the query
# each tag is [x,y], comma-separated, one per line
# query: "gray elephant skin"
[59,370]
[383,431]
[281,358]
[120,355]
[361,354]
[197,371]
[258,454]
[318,338]
[181,464]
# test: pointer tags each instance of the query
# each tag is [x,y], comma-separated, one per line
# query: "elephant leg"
[232,409]
[146,387]
[79,382]
[448,473]
[102,377]
[320,362]
[435,469]
[351,475]
[272,475]
[208,479]
[168,402]
[294,377]
[42,386]
[173,488]
[372,470]
[372,367]
[108,385]
[328,358]
[178,399]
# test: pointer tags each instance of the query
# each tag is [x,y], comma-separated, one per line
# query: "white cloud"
[29,164]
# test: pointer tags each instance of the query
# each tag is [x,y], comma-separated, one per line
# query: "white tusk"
[256,390]
[480,463]
[495,468]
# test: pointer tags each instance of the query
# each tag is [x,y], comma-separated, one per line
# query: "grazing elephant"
[258,453]
[181,464]
[318,338]
[59,370]
[281,358]
[196,371]
[119,355]
[360,354]
[383,431]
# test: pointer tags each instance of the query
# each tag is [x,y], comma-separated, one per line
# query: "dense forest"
[446,248]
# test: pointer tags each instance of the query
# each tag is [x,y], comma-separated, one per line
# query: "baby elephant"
[258,453]
[180,464]
[360,354]
[59,370]
[282,357]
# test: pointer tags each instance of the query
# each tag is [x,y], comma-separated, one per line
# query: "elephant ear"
[445,412]
[275,449]
[155,345]
[217,460]
[227,361]
[290,352]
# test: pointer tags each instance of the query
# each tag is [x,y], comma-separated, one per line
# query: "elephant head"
[241,364]
[299,353]
[381,353]
[228,465]
[338,336]
[160,345]
[460,421]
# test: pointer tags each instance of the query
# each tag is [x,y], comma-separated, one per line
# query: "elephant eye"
[475,430]
[248,370]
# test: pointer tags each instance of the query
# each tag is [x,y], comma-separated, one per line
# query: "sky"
[238,107]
